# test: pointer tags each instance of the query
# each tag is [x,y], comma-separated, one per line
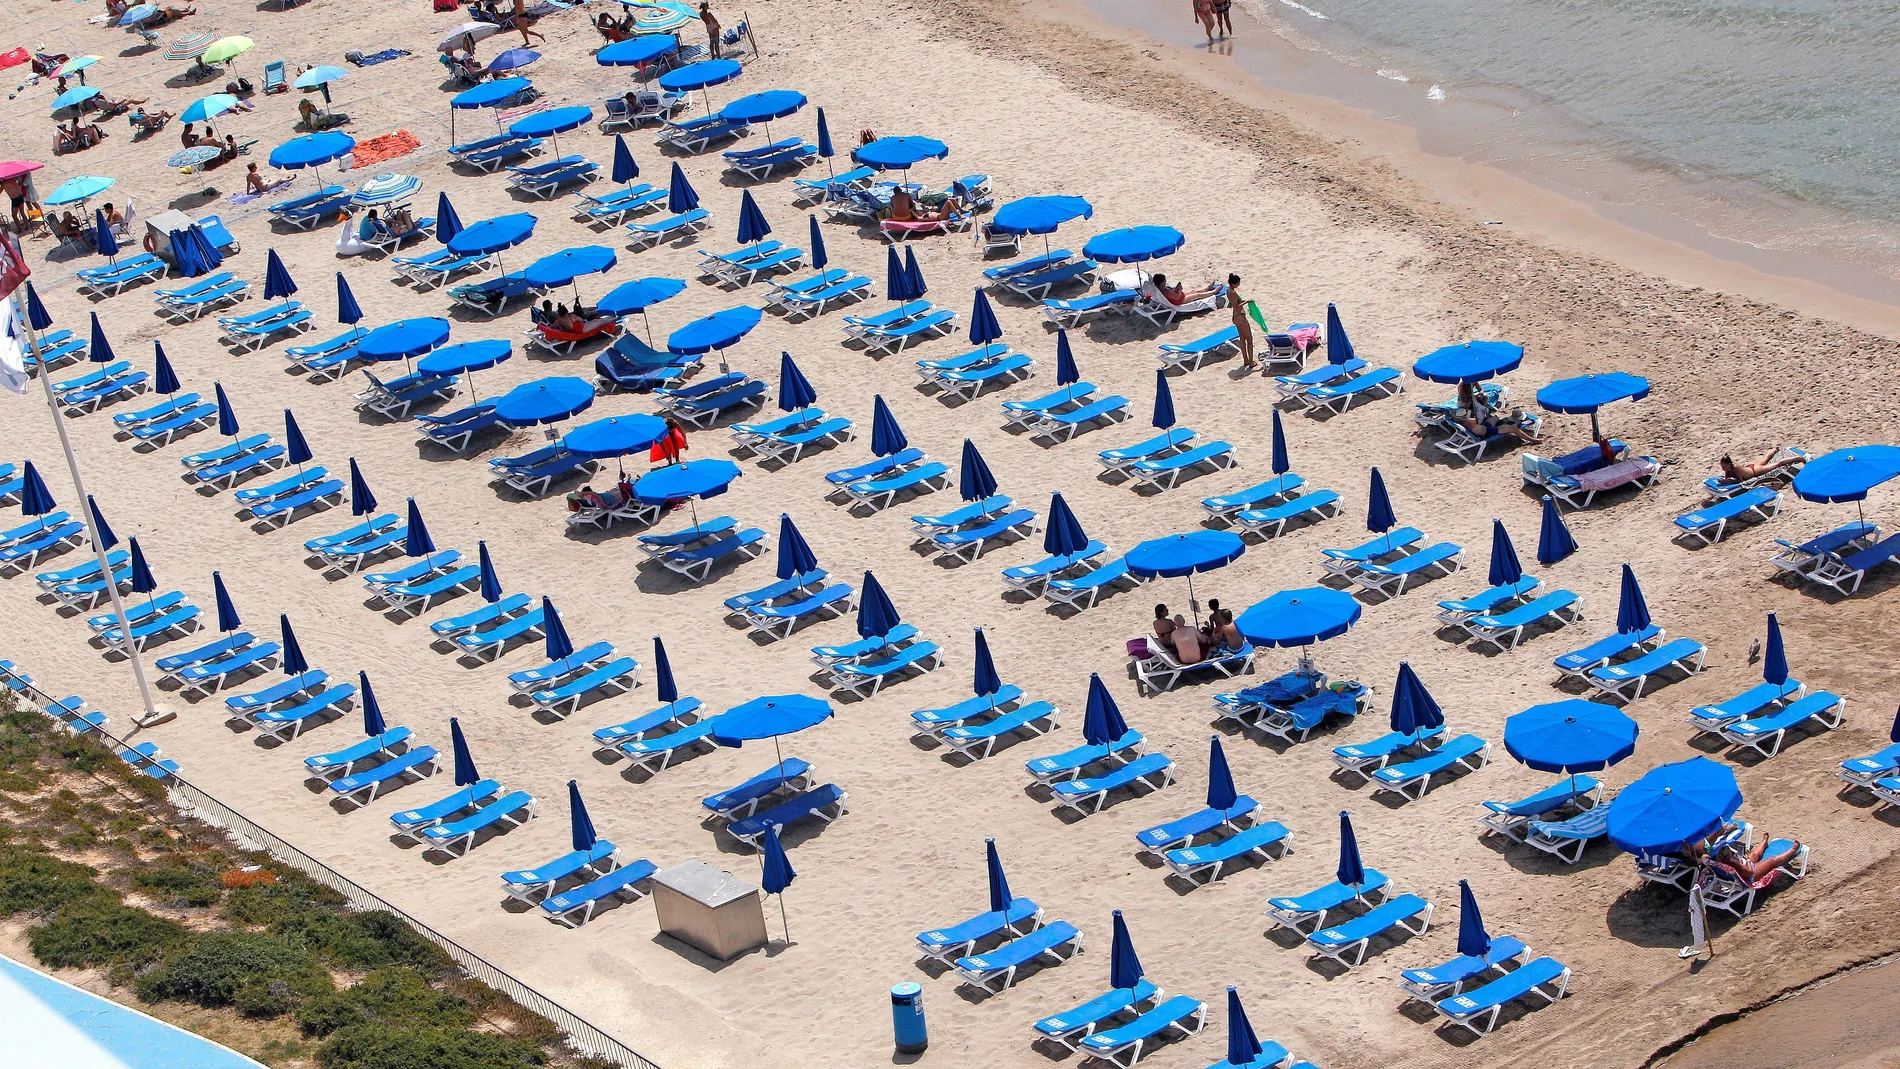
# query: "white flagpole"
[130,649]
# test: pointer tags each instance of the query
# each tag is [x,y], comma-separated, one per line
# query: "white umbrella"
[480,31]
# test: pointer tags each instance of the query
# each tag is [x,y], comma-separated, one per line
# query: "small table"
[710,910]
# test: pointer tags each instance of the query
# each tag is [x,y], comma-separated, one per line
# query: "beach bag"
[1138,649]
[447,5]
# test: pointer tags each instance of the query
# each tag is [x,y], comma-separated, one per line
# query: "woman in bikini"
[1223,14]
[1204,14]
[1241,325]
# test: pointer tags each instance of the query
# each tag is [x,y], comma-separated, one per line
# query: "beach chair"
[1203,864]
[278,511]
[1295,722]
[475,619]
[1706,526]
[26,552]
[779,620]
[965,384]
[1085,795]
[1119,461]
[658,231]
[614,208]
[931,721]
[1389,579]
[1030,578]
[1160,670]
[1429,983]
[90,398]
[1190,356]
[1082,591]
[1071,1026]
[892,340]
[1455,612]
[758,167]
[1349,943]
[883,492]
[274,77]
[487,644]
[958,940]
[344,558]
[1802,558]
[1844,573]
[670,717]
[1719,488]
[296,687]
[357,789]
[1478,1010]
[492,156]
[826,803]
[1036,283]
[1725,889]
[1513,819]
[1335,399]
[788,446]
[436,273]
[409,823]
[1506,629]
[282,724]
[703,411]
[109,282]
[1578,663]
[1277,695]
[866,678]
[1567,839]
[209,667]
[1070,314]
[228,474]
[1056,941]
[1162,473]
[811,191]
[491,296]
[1411,779]
[1222,507]
[563,907]
[1063,426]
[1766,734]
[158,413]
[1580,490]
[1182,832]
[547,183]
[1865,771]
[855,326]
[1626,681]
[181,620]
[1156,308]
[1756,700]
[864,648]
[1026,414]
[194,463]
[1073,762]
[1346,562]
[968,543]
[697,563]
[308,215]
[1272,522]
[1179,1016]
[977,741]
[695,136]
[1031,265]
[791,775]
[181,422]
[456,838]
[1296,911]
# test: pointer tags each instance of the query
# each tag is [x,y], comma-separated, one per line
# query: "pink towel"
[1618,474]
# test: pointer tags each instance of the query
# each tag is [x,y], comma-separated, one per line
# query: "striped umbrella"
[190,46]
[386,189]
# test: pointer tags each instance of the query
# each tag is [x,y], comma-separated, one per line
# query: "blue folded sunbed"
[1178,1016]
[1466,751]
[284,724]
[1311,908]
[563,906]
[735,803]
[957,940]
[1478,1010]
[1514,818]
[1057,940]
[1352,939]
[1151,772]
[409,822]
[1071,1026]
[1429,983]
[343,762]
[361,788]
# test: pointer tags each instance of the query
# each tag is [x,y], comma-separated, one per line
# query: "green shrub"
[358,940]
[369,1046]
[266,998]
[32,880]
[214,967]
[99,930]
[179,885]
[393,997]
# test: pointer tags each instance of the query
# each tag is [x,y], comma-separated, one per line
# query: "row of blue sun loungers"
[542,180]
[786,438]
[890,331]
[108,281]
[610,209]
[748,264]
[86,393]
[812,296]
[757,164]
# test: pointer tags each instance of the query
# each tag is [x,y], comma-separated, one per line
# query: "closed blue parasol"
[1063,535]
[1673,805]
[513,59]
[311,150]
[896,282]
[465,772]
[1589,393]
[639,295]
[1632,611]
[99,349]
[347,311]
[558,645]
[1379,515]
[1473,940]
[625,170]
[1299,617]
[769,718]
[775,871]
[877,616]
[373,724]
[1413,707]
[720,330]
[1472,361]
[1242,1045]
[1774,660]
[663,683]
[635,51]
[102,535]
[35,498]
[1282,463]
[900,153]
[1338,345]
[1134,244]
[983,328]
[1847,474]
[292,659]
[447,222]
[825,148]
[164,379]
[417,542]
[297,450]
[403,339]
[1124,968]
[580,826]
[983,677]
[680,195]
[1505,568]
[143,582]
[493,235]
[695,478]
[1067,374]
[795,556]
[1163,417]
[1570,736]
[227,417]
[815,237]
[887,438]
[794,389]
[1102,723]
[490,584]
[36,313]
[1554,541]
[1000,898]
[914,274]
[562,268]
[465,357]
[548,400]
[615,436]
[974,482]
[1351,870]
[752,225]
[1221,794]
[362,501]
[104,242]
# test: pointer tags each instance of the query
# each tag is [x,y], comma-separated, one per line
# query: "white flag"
[12,355]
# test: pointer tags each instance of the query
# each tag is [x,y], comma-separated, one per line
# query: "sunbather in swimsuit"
[1204,14]
[1751,866]
[905,209]
[1176,295]
[1241,325]
[1754,469]
[1223,14]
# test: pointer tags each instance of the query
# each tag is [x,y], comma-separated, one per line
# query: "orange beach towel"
[382,149]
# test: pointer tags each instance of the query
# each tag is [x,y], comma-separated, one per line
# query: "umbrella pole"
[780,753]
[649,326]
[784,921]
[1193,605]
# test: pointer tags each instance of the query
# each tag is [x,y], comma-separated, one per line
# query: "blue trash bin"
[907,1018]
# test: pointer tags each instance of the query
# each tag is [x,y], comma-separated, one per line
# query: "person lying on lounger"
[1749,865]
[906,209]
[168,14]
[1178,296]
[149,121]
[1754,469]
[1486,422]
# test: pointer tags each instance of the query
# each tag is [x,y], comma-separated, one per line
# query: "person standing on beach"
[1204,14]
[712,26]
[521,23]
[1224,15]
[1239,306]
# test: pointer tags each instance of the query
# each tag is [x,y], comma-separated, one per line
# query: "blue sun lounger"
[881,493]
[410,822]
[812,803]
[977,741]
[1844,572]
[206,674]
[1026,414]
[704,411]
[1804,557]
[876,468]
[546,185]
[1203,864]
[810,191]
[1578,662]
[1428,984]
[1028,577]
[1163,473]
[659,231]
[108,281]
[164,603]
[1381,382]
[855,326]
[1296,911]
[362,788]
[1292,387]
[1711,719]
[890,340]
[866,678]
[968,543]
[126,421]
[1348,943]
[789,447]
[553,672]
[1765,735]
[280,511]
[948,943]
[1513,819]
[779,620]
[670,716]
[328,359]
[1295,721]
[34,528]
[1082,591]
[617,676]
[1876,766]
[1169,441]
[583,899]
[1057,940]
[343,762]
[1036,285]
[616,206]
[1191,355]
[237,640]
[284,724]
[487,644]
[350,556]
[457,837]
[285,487]
[179,621]
[776,292]
[872,646]
[957,517]
[490,159]
[1149,772]
[25,554]
[416,571]
[224,476]
[758,168]
[1706,526]
[966,384]
[1389,579]
[654,754]
[1455,612]
[1478,1010]
[1346,562]
[1123,1045]
[1071,1026]
[697,135]
[1466,751]
[1257,496]
[793,775]
[931,721]
[1271,522]
[87,593]
[411,599]
[181,422]
[80,573]
[1071,763]
[1506,629]
[475,619]
[282,690]
[1626,681]
[91,398]
[1181,832]
[809,305]
[92,378]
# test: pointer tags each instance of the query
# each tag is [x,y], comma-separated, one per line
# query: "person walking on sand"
[1241,326]
[712,26]
[521,23]
[1204,14]
[1224,15]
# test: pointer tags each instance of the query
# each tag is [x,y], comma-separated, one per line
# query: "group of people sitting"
[69,227]
[1475,414]
[1190,644]
[669,450]
[614,29]
[559,317]
[227,148]
[80,135]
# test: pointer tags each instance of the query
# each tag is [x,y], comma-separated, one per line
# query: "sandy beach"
[1309,205]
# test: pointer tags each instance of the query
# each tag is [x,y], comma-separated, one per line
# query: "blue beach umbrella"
[887,438]
[663,683]
[625,170]
[490,586]
[1473,940]
[1282,463]
[1632,611]
[447,222]
[1893,733]
[1242,1045]
[487,95]
[558,645]
[983,328]
[702,75]
[1554,541]
[819,258]
[297,449]
[900,153]
[36,313]
[347,312]
[1351,870]
[1221,794]
[1673,805]
[983,678]
[1299,617]
[914,274]
[897,285]
[636,51]
[418,543]
[974,482]
[721,330]
[1505,568]
[35,498]
[228,618]
[794,389]
[1472,361]
[795,556]
[1102,723]
[1163,417]
[769,717]
[1570,736]
[143,581]
[1847,474]
[102,535]
[311,150]
[639,295]
[1134,244]
[548,400]
[164,379]
[227,418]
[373,724]
[292,659]
[362,501]
[513,59]
[466,358]
[1774,661]
[465,772]
[762,108]
[102,238]
[1000,898]
[1413,707]
[78,188]
[1039,215]
[491,236]
[74,97]
[825,148]
[877,617]
[562,268]
[553,123]
[1589,393]
[403,339]
[680,195]
[99,349]
[1063,535]
[137,13]
[1124,968]
[615,436]
[580,826]
[204,109]
[1379,515]
[1338,345]
[1067,374]
[693,479]
[1176,555]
